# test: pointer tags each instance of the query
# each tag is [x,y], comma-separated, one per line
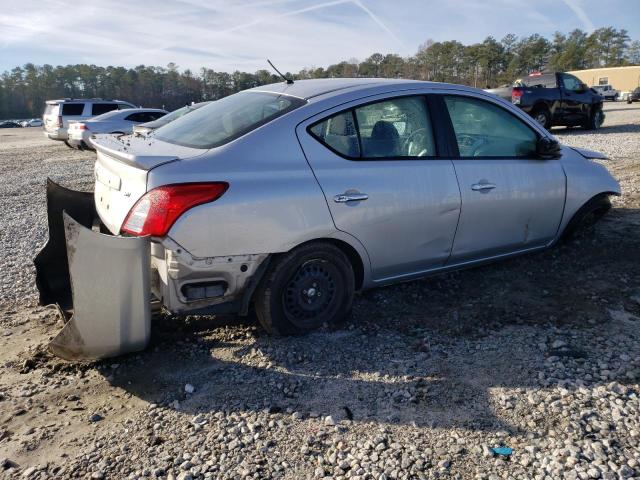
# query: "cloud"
[240,34]
[581,14]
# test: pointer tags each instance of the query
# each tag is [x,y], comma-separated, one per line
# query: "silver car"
[148,127]
[288,198]
[115,122]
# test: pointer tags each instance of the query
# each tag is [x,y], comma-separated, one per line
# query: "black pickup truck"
[556,99]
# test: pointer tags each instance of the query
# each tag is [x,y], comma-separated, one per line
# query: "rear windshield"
[227,119]
[71,109]
[544,81]
[51,109]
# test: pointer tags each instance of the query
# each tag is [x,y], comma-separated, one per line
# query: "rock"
[558,344]
[188,388]
[29,471]
[96,417]
[329,421]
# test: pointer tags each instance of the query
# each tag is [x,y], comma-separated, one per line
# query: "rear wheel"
[543,117]
[587,216]
[304,289]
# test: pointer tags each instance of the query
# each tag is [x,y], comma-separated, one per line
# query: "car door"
[511,200]
[384,182]
[576,99]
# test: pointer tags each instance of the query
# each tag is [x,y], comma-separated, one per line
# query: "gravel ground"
[540,354]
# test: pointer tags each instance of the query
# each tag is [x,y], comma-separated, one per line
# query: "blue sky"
[240,34]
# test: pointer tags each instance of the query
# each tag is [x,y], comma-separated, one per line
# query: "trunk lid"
[50,116]
[121,171]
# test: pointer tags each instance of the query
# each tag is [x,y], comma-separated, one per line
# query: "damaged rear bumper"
[103,283]
[99,282]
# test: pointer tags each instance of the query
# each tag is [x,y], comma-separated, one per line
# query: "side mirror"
[548,148]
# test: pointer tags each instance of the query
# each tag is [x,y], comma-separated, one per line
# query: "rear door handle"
[479,187]
[350,197]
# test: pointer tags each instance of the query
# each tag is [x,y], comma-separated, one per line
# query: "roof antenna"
[286,79]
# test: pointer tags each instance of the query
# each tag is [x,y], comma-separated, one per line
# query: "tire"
[629,101]
[69,145]
[543,117]
[283,303]
[587,216]
[595,120]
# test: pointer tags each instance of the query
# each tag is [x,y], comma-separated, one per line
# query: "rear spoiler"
[117,149]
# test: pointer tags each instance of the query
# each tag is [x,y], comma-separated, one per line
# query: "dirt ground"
[539,353]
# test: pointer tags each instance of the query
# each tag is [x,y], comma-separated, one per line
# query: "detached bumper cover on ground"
[99,282]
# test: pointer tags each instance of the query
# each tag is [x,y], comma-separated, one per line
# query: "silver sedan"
[289,198]
[115,122]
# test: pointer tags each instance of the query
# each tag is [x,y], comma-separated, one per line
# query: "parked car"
[634,96]
[119,122]
[607,92]
[34,122]
[291,197]
[9,124]
[58,113]
[558,99]
[145,128]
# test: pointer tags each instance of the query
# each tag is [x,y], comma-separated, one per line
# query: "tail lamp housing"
[157,210]
[516,95]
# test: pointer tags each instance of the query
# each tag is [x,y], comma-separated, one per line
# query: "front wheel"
[304,289]
[595,120]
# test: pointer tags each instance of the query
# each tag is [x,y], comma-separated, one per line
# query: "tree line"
[24,89]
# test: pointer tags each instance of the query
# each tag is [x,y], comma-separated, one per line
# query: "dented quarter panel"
[585,179]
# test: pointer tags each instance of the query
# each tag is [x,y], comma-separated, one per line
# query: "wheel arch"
[354,255]
[574,220]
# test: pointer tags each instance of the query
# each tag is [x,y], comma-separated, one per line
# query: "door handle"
[479,187]
[350,197]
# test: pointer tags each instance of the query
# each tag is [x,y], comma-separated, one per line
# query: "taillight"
[158,209]
[516,94]
[81,126]
[60,124]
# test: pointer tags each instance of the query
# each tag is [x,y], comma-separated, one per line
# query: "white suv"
[607,91]
[57,113]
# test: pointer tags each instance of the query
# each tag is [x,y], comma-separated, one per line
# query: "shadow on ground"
[426,352]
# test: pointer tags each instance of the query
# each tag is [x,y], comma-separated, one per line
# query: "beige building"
[624,79]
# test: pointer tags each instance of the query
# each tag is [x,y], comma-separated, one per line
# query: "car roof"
[307,89]
[126,112]
[85,100]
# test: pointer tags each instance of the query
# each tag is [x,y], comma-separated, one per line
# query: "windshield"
[226,119]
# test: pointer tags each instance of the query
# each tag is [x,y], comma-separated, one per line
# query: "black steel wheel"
[305,289]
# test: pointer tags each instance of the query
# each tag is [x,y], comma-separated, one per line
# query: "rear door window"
[72,109]
[395,128]
[151,116]
[123,106]
[100,108]
[339,134]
